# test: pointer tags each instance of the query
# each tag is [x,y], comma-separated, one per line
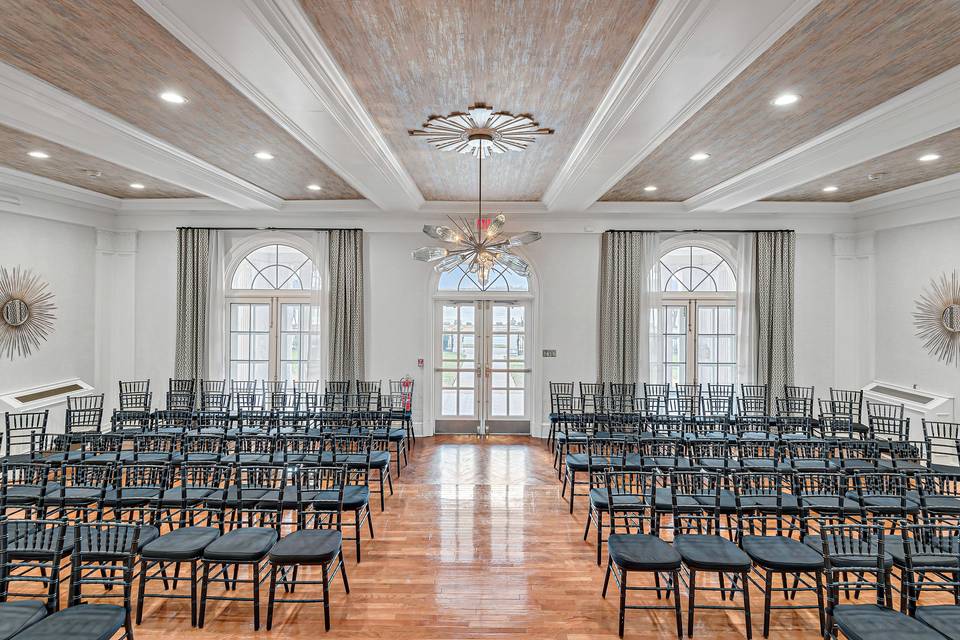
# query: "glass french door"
[483,377]
[698,342]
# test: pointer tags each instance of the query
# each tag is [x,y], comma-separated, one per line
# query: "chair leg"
[746,605]
[767,586]
[586,528]
[381,490]
[573,488]
[204,583]
[675,578]
[343,573]
[820,601]
[326,600]
[370,522]
[623,598]
[140,588]
[255,571]
[606,579]
[691,602]
[599,533]
[271,596]
[193,593]
[356,527]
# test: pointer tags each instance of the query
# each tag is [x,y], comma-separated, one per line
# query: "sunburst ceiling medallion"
[481,131]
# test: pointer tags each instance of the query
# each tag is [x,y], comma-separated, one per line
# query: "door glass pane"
[466,347]
[239,317]
[726,320]
[290,317]
[516,403]
[467,319]
[261,317]
[517,318]
[448,402]
[726,349]
[467,379]
[517,380]
[448,380]
[706,349]
[499,347]
[676,348]
[449,318]
[466,402]
[498,402]
[261,346]
[499,318]
[498,379]
[707,319]
[676,320]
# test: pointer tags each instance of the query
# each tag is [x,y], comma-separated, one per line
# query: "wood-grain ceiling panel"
[894,170]
[114,56]
[72,167]
[843,58]
[409,59]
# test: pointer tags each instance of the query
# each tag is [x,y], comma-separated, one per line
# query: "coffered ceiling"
[409,59]
[113,56]
[632,89]
[843,58]
[894,170]
[69,166]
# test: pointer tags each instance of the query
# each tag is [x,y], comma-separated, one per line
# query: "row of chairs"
[190,394]
[215,516]
[811,539]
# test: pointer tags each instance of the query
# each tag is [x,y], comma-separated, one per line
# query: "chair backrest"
[215,401]
[753,391]
[794,391]
[259,495]
[368,386]
[321,481]
[32,547]
[854,396]
[201,497]
[858,545]
[887,421]
[134,386]
[205,446]
[20,427]
[711,454]
[930,549]
[180,401]
[718,406]
[760,508]
[721,391]
[130,420]
[858,455]
[155,447]
[630,500]
[696,501]
[795,407]
[656,390]
[689,391]
[943,442]
[337,386]
[213,386]
[300,448]
[882,495]
[836,418]
[85,402]
[182,385]
[137,491]
[909,456]
[822,497]
[84,414]
[30,478]
[82,489]
[103,556]
[136,401]
[173,418]
[939,495]
[751,406]
[795,425]
[353,451]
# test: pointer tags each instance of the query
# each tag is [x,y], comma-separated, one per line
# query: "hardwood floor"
[476,543]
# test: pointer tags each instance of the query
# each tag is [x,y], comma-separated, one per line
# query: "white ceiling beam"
[270,52]
[921,112]
[36,107]
[688,51]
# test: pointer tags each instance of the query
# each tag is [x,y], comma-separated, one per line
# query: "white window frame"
[274,297]
[692,300]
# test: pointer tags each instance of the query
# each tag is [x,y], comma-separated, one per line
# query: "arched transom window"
[274,322]
[275,266]
[500,279]
[693,333]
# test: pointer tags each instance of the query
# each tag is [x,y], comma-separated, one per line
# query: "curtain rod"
[275,228]
[703,230]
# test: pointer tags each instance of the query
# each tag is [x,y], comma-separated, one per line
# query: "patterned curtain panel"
[345,257]
[775,268]
[193,282]
[622,313]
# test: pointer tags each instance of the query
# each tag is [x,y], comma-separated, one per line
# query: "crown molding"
[53,191]
[944,188]
[921,112]
[663,82]
[41,109]
[271,54]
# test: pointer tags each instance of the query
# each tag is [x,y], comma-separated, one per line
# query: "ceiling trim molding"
[944,188]
[41,109]
[277,24]
[672,26]
[54,191]
[919,113]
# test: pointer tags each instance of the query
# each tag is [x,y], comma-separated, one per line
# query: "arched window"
[693,334]
[273,321]
[500,279]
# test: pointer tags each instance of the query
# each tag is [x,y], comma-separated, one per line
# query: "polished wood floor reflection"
[476,543]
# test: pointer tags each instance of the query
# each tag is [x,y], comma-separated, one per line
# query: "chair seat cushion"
[870,621]
[180,544]
[76,496]
[354,497]
[598,498]
[37,548]
[830,504]
[131,496]
[945,618]
[239,545]
[665,462]
[174,497]
[893,545]
[711,553]
[942,504]
[307,546]
[82,622]
[813,465]
[642,552]
[19,614]
[718,464]
[782,553]
[21,494]
[758,464]
[788,503]
[379,459]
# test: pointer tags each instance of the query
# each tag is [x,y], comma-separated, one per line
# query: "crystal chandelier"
[475,249]
[481,131]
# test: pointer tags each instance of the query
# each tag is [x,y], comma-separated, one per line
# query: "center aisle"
[475,543]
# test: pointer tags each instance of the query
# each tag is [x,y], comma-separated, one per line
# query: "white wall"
[814,318]
[63,255]
[907,258]
[155,309]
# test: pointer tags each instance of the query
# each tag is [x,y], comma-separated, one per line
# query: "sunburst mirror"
[26,312]
[937,318]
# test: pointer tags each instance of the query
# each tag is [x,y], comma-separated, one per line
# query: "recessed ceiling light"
[699,155]
[929,157]
[172,97]
[830,189]
[784,99]
[41,155]
[314,187]
[136,185]
[263,155]
[650,187]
